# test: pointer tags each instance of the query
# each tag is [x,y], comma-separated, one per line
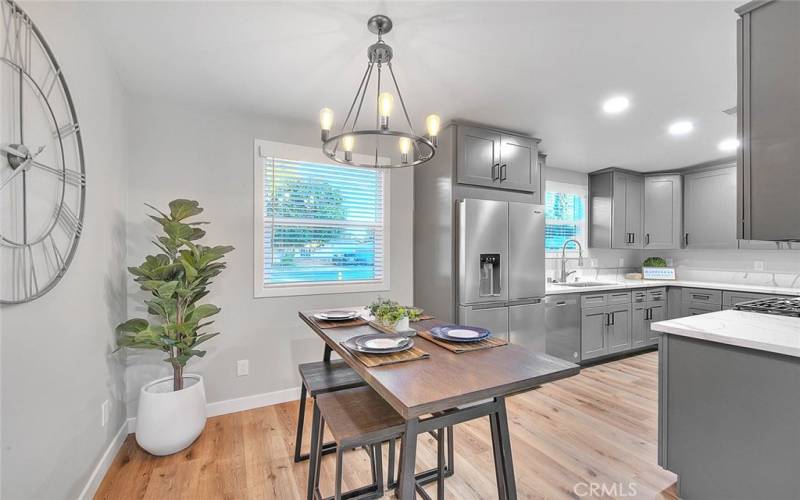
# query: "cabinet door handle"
[608,319]
[613,319]
[685,238]
[649,313]
[633,237]
[495,176]
[503,172]
[647,239]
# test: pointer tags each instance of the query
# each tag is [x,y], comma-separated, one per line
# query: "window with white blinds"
[323,224]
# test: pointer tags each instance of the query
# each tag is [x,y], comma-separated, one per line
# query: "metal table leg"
[408,459]
[505,443]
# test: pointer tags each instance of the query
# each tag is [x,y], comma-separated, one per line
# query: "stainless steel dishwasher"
[563,326]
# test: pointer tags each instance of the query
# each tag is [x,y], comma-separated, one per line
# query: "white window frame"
[264,149]
[582,191]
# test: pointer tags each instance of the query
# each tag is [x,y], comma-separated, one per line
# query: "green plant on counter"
[654,262]
[176,279]
[389,312]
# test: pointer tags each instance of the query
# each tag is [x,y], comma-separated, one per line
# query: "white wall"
[57,367]
[207,155]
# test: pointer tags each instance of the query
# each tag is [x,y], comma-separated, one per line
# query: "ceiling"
[542,68]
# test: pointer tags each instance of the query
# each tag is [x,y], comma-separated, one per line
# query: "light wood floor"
[598,427]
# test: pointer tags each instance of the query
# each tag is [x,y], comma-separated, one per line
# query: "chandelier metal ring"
[329,147]
[413,149]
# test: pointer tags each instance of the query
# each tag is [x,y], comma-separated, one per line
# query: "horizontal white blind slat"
[322,223]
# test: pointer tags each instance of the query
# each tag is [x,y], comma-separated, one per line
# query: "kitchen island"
[729,404]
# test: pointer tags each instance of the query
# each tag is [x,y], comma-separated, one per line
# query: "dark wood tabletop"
[447,380]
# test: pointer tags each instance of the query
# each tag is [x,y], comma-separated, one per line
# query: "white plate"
[463,334]
[336,315]
[384,343]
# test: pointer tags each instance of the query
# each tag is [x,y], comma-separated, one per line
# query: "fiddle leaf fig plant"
[177,278]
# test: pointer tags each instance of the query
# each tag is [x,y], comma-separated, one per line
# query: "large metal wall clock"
[42,173]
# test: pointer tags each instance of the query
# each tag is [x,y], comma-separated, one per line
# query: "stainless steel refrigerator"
[500,269]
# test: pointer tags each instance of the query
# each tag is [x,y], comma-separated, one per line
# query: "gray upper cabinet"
[478,156]
[617,205]
[767,118]
[709,218]
[500,160]
[663,209]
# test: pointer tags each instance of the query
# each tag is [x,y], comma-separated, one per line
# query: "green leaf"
[191,272]
[134,325]
[181,209]
[178,230]
[206,336]
[202,311]
[167,289]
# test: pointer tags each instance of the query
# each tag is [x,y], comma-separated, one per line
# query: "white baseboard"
[241,404]
[102,466]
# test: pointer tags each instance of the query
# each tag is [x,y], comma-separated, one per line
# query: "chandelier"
[413,149]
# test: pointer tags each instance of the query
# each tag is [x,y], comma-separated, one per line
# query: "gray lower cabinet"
[492,158]
[663,209]
[619,328]
[656,311]
[709,217]
[638,324]
[594,339]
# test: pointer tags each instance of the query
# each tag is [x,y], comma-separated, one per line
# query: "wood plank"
[560,441]
[460,378]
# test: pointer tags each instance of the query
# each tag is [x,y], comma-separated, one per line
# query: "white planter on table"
[169,421]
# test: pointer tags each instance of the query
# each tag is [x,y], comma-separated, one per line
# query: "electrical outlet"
[242,367]
[592,262]
[758,265]
[105,410]
[670,262]
[621,262]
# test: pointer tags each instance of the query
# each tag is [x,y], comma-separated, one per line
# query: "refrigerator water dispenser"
[490,275]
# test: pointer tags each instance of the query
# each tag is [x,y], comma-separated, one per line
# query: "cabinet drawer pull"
[701,296]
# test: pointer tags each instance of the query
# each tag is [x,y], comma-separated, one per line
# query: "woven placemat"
[373,360]
[459,347]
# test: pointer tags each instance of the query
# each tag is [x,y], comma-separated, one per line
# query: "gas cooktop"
[783,307]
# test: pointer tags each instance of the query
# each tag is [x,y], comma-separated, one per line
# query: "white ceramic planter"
[169,421]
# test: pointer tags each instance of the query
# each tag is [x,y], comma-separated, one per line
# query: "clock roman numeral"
[24,280]
[69,222]
[66,130]
[18,30]
[69,176]
[52,255]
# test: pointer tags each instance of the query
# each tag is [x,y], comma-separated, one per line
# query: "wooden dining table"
[446,389]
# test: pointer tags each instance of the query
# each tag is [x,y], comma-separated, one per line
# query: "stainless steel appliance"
[772,305]
[500,263]
[563,326]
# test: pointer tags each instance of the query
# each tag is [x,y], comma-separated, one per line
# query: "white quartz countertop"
[555,289]
[765,332]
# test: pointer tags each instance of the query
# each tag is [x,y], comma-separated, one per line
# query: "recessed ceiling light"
[728,145]
[616,105]
[682,127]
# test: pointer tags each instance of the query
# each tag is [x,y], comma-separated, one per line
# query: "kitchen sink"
[586,284]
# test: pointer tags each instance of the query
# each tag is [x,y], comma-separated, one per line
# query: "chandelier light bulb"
[432,123]
[405,147]
[385,105]
[348,142]
[325,122]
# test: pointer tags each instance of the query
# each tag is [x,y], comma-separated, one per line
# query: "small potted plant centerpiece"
[172,410]
[391,315]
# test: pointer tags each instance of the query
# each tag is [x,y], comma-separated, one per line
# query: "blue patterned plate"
[460,333]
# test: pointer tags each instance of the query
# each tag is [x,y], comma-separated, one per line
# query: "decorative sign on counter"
[658,273]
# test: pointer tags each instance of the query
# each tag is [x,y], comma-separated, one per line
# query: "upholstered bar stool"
[360,418]
[318,378]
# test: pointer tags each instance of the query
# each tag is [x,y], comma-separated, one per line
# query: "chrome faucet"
[564,273]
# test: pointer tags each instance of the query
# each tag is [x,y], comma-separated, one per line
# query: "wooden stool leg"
[339,467]
[301,420]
